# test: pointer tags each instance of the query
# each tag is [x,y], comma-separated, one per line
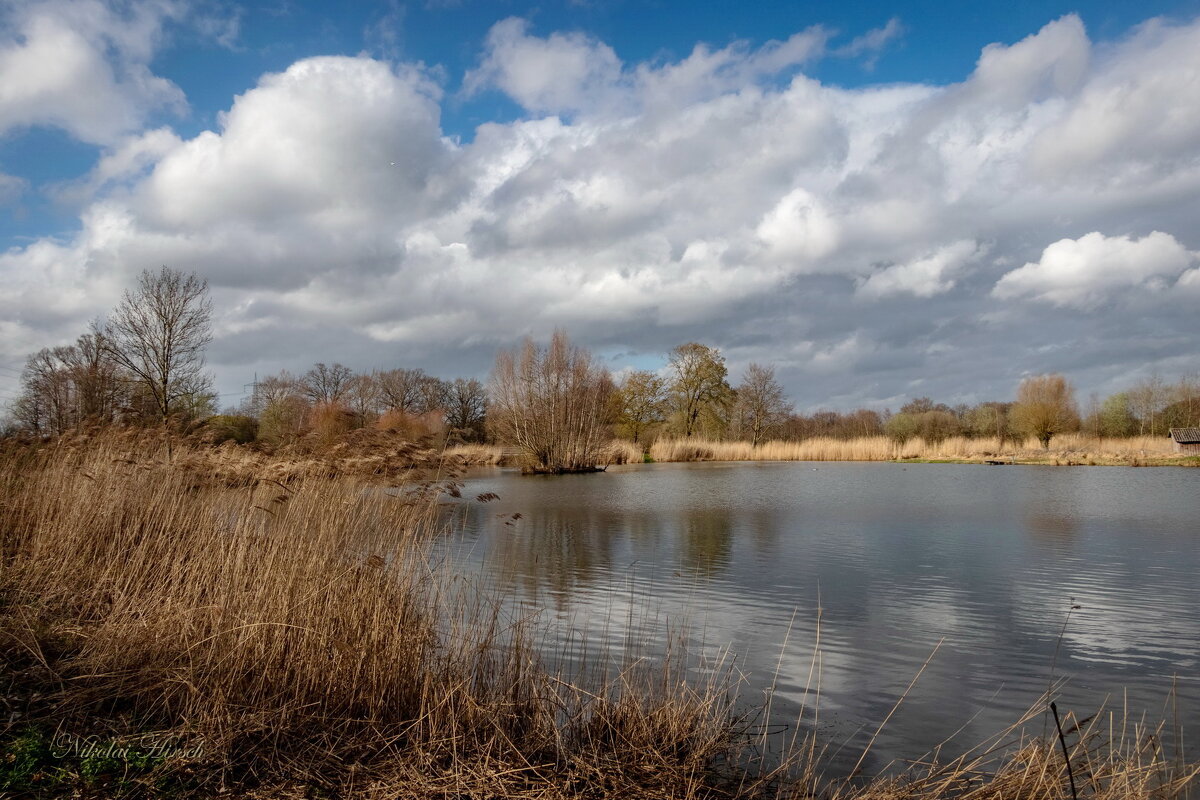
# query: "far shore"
[1067,450]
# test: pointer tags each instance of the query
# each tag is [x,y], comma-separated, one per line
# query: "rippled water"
[869,567]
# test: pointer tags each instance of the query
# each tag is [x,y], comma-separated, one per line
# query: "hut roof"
[1186,435]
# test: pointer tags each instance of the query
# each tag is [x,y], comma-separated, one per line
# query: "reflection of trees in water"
[1052,528]
[555,549]
[764,526]
[560,549]
[1053,507]
[707,540]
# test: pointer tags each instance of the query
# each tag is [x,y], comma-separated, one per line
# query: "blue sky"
[882,199]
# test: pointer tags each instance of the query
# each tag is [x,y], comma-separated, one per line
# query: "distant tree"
[1115,418]
[918,405]
[466,408]
[363,398]
[698,384]
[283,419]
[100,384]
[47,402]
[937,426]
[400,389]
[551,403]
[1147,400]
[1183,409]
[269,390]
[62,387]
[158,333]
[989,419]
[1045,407]
[432,394]
[862,422]
[327,384]
[902,427]
[412,391]
[761,407]
[833,424]
[641,403]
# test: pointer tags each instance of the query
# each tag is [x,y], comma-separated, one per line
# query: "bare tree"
[158,333]
[271,389]
[64,386]
[99,381]
[1147,400]
[324,384]
[432,394]
[400,389]
[47,402]
[363,397]
[551,403]
[1045,407]
[761,407]
[1183,410]
[466,408]
[699,384]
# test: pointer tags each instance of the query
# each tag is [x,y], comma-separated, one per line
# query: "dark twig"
[1063,741]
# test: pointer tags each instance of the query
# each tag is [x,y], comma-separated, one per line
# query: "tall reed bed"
[484,455]
[302,632]
[1074,447]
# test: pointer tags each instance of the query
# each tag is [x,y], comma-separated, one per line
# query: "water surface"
[1022,574]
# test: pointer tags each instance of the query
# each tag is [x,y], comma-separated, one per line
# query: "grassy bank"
[172,630]
[1068,449]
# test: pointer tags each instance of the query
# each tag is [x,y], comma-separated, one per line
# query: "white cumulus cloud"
[83,66]
[1086,271]
[926,276]
[563,72]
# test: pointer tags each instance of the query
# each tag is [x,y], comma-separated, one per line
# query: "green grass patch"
[36,764]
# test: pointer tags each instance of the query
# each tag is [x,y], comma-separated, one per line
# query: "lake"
[881,561]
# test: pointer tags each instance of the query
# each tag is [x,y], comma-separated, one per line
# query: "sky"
[882,200]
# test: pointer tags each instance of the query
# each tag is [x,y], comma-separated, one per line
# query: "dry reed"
[1069,448]
[301,631]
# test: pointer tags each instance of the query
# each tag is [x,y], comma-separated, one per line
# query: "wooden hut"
[1186,441]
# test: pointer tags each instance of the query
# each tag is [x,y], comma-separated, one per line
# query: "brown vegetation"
[552,404]
[300,638]
[302,634]
[1045,408]
[1069,449]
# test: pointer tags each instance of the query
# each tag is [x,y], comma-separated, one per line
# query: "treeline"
[144,364]
[694,397]
[329,400]
[1150,407]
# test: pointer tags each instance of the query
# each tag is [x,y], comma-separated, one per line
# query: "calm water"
[881,561]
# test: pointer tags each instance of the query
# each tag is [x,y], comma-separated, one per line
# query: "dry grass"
[484,455]
[1065,449]
[621,451]
[303,634]
[1110,758]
